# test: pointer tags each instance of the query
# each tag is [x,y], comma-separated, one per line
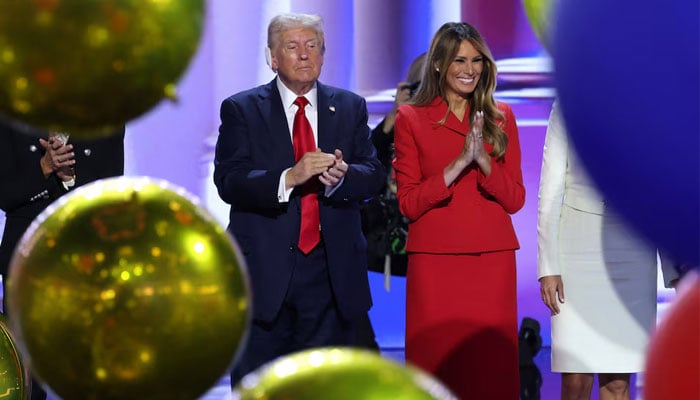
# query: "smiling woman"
[459,179]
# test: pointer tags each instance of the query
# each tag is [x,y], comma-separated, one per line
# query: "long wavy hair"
[443,50]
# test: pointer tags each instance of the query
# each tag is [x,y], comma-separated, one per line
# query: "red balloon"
[673,362]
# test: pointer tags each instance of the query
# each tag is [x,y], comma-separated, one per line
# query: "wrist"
[45,169]
[68,182]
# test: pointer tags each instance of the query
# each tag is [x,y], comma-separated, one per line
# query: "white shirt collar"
[288,96]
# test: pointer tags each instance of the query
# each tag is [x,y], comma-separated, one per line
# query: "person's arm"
[237,179]
[417,194]
[504,179]
[403,94]
[550,196]
[552,292]
[22,178]
[361,172]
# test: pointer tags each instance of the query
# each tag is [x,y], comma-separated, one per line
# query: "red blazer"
[473,214]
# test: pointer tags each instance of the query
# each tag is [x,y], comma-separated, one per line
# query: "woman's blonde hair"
[442,52]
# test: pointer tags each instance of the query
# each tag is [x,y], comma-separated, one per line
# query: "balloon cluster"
[627,75]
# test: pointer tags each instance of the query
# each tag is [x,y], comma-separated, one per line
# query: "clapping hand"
[311,164]
[58,157]
[473,149]
[336,172]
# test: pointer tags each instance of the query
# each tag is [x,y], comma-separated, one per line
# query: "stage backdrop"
[369,47]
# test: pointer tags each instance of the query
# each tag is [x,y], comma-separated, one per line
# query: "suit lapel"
[274,117]
[437,111]
[327,120]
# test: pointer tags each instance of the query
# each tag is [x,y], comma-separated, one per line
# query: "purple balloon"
[628,78]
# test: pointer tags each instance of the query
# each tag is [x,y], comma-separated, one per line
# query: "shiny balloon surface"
[14,379]
[619,106]
[673,359]
[339,374]
[88,67]
[540,15]
[127,289]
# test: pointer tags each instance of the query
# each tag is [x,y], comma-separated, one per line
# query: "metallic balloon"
[14,377]
[88,67]
[126,288]
[339,374]
[540,14]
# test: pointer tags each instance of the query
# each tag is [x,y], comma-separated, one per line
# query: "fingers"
[478,124]
[333,175]
[550,300]
[560,291]
[64,156]
[552,293]
[311,164]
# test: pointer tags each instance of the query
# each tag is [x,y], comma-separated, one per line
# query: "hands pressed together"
[330,168]
[58,158]
[473,149]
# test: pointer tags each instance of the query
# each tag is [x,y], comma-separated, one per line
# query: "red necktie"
[303,138]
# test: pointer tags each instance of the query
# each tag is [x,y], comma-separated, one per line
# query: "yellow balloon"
[340,374]
[88,67]
[14,377]
[125,289]
[540,14]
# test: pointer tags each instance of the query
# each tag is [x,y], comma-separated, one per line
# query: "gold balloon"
[540,14]
[14,377]
[88,67]
[340,374]
[127,289]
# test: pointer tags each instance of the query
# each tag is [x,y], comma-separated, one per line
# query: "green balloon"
[88,67]
[127,288]
[540,15]
[341,374]
[14,382]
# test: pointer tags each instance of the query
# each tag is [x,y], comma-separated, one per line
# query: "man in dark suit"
[35,171]
[303,296]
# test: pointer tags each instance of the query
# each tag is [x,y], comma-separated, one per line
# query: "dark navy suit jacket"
[25,192]
[252,151]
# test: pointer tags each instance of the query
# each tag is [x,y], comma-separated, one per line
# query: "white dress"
[608,272]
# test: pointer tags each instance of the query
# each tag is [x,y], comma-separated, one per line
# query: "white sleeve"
[282,192]
[551,194]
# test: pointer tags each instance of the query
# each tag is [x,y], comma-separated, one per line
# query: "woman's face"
[464,71]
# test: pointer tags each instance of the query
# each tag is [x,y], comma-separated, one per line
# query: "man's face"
[298,58]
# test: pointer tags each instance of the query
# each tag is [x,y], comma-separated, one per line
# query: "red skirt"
[461,322]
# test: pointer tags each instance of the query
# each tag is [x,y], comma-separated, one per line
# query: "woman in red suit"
[458,182]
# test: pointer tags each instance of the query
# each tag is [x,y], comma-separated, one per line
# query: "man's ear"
[268,56]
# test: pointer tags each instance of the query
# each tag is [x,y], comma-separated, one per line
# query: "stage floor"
[550,390]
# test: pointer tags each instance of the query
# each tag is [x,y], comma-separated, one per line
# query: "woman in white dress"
[597,277]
